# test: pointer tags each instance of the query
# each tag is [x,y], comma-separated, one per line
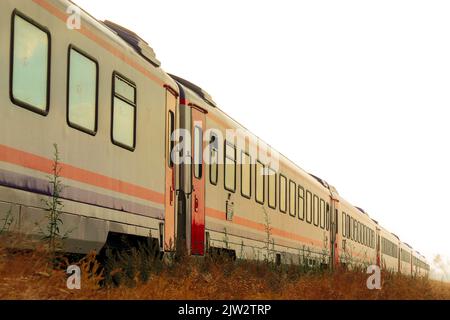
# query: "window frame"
[294,215]
[328,215]
[322,207]
[299,187]
[349,227]
[198,168]
[115,75]
[367,236]
[46,30]
[358,233]
[314,210]
[268,189]
[263,185]
[373,236]
[354,229]
[249,196]
[215,147]
[310,213]
[170,131]
[225,166]
[344,222]
[89,57]
[361,233]
[285,193]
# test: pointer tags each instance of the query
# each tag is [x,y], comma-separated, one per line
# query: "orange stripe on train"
[38,163]
[217,214]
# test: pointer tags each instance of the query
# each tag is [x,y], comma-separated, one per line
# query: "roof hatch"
[199,91]
[141,46]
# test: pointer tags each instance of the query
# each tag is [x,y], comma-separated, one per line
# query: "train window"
[361,233]
[230,167]
[198,152]
[316,210]
[125,89]
[365,235]
[301,203]
[349,233]
[358,232]
[170,137]
[336,223]
[82,92]
[292,198]
[272,189]
[124,112]
[322,214]
[213,159]
[260,182]
[328,216]
[347,225]
[308,206]
[374,239]
[283,192]
[344,221]
[246,175]
[358,238]
[30,64]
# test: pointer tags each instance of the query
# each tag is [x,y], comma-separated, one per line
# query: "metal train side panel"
[106,187]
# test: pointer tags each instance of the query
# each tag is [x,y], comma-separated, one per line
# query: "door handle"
[196,204]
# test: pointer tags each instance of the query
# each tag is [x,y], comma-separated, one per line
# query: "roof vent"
[361,210]
[321,181]
[199,91]
[135,41]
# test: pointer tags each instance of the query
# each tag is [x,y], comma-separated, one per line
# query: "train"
[149,155]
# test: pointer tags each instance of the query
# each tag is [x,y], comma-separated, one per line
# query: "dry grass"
[31,275]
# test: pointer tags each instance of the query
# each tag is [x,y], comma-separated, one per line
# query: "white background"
[356,92]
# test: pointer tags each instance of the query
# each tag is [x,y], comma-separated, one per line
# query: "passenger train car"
[149,155]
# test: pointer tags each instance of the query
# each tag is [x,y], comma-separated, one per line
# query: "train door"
[170,201]
[334,223]
[378,247]
[198,184]
[334,233]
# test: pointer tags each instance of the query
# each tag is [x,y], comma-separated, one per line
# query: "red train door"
[198,183]
[169,225]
